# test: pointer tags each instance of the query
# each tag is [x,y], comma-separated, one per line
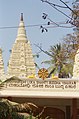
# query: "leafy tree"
[58,61]
[71,41]
[75,14]
[12,110]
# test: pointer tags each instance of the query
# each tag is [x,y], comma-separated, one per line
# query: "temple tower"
[76,66]
[1,64]
[21,63]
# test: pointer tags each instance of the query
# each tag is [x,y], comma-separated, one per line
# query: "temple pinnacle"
[21,16]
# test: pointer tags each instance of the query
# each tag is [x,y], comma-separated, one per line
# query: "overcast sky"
[10,11]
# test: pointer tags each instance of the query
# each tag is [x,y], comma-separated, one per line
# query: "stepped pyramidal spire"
[21,63]
[1,64]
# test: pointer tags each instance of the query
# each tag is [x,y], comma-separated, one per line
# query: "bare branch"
[55,7]
[67,6]
[46,52]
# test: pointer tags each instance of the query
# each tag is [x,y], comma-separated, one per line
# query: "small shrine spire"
[21,16]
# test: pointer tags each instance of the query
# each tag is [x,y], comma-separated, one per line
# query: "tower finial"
[21,16]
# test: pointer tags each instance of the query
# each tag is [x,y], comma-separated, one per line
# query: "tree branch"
[46,52]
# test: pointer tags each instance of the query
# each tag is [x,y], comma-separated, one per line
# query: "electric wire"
[55,24]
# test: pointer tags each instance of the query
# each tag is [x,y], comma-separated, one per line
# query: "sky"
[10,11]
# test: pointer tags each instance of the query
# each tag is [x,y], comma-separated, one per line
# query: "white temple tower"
[76,66]
[2,73]
[21,63]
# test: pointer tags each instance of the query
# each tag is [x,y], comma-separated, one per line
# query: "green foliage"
[15,115]
[58,61]
[13,110]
